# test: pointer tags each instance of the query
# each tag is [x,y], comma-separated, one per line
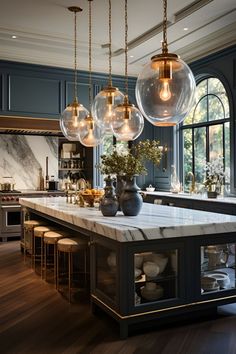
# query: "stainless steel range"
[10,210]
[10,214]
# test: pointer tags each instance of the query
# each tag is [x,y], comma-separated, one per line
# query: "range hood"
[29,126]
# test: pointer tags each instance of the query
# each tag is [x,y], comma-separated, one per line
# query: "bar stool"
[28,230]
[71,247]
[50,239]
[39,232]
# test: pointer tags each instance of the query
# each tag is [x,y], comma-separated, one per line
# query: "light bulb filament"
[165,92]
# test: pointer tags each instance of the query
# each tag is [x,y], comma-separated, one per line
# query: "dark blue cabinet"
[35,95]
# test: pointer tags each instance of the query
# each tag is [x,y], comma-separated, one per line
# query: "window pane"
[215,141]
[107,144]
[187,157]
[201,90]
[200,114]
[216,87]
[189,118]
[199,154]
[227,152]
[216,110]
[224,99]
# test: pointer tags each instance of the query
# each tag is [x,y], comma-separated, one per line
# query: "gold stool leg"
[24,230]
[57,280]
[45,261]
[55,264]
[69,271]
[33,251]
[42,266]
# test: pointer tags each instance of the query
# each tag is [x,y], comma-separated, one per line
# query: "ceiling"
[45,31]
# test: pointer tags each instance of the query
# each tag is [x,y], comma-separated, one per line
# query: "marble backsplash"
[21,157]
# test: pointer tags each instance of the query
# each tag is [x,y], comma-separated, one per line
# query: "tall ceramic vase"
[109,203]
[120,183]
[130,200]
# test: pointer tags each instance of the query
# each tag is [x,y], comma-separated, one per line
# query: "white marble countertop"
[153,222]
[33,191]
[203,197]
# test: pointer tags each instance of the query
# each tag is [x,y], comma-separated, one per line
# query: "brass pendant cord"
[164,42]
[110,79]
[126,48]
[90,54]
[75,67]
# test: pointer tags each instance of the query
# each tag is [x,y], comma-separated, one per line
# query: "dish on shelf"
[222,278]
[138,260]
[137,273]
[209,283]
[151,269]
[152,291]
[215,288]
[158,258]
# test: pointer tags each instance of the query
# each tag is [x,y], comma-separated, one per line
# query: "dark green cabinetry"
[126,284]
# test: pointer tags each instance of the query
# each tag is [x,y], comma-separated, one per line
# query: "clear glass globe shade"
[127,123]
[90,133]
[104,104]
[165,90]
[70,120]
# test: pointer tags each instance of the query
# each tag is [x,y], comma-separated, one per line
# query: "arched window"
[206,131]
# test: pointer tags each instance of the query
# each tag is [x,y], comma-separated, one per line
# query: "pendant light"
[165,89]
[75,111]
[127,123]
[90,133]
[109,97]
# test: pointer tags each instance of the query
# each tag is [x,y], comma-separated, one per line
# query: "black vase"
[109,203]
[119,187]
[211,194]
[130,200]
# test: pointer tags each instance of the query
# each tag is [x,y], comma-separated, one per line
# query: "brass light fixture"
[90,134]
[127,122]
[75,111]
[109,97]
[165,89]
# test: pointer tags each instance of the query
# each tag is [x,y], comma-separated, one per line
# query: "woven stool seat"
[30,224]
[71,245]
[40,230]
[52,237]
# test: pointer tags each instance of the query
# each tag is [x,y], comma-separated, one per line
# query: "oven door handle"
[10,206]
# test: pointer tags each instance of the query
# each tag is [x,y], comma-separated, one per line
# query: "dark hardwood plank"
[36,319]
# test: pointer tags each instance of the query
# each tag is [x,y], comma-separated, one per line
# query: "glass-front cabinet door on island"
[156,276]
[217,262]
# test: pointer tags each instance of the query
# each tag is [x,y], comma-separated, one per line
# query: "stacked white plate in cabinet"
[222,278]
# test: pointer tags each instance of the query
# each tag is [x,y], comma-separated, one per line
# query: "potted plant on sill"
[214,177]
[125,164]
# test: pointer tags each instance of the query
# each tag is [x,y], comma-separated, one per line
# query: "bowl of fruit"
[92,196]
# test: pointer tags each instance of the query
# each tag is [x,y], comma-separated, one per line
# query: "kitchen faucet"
[192,188]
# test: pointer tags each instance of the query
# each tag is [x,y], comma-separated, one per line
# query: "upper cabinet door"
[36,95]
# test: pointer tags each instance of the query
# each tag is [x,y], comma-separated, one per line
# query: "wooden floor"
[35,319]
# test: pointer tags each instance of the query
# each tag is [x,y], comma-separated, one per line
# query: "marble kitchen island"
[152,266]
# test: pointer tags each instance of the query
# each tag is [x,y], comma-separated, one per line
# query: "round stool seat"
[30,224]
[40,230]
[71,244]
[52,237]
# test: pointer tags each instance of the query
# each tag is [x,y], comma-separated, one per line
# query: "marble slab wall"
[21,157]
